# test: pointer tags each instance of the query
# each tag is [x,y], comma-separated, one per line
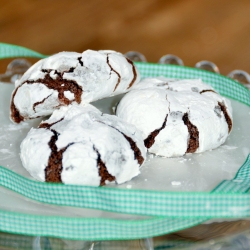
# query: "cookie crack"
[80,61]
[37,103]
[54,168]
[207,90]
[112,69]
[193,141]
[137,151]
[15,114]
[103,172]
[150,140]
[59,84]
[134,72]
[226,115]
[133,146]
[49,125]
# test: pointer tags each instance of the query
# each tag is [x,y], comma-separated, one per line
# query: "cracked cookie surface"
[177,116]
[80,145]
[70,77]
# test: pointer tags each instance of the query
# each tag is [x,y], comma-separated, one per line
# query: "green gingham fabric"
[170,211]
[130,201]
[217,204]
[11,51]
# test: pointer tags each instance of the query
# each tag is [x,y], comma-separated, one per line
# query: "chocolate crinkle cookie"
[177,116]
[80,145]
[70,77]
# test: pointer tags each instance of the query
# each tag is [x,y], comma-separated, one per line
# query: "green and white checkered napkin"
[169,211]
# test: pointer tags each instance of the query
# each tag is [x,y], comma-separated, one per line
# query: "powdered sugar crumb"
[13,127]
[176,183]
[5,151]
[227,147]
[182,160]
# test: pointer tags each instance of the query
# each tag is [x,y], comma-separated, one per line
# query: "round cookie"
[70,77]
[81,145]
[177,116]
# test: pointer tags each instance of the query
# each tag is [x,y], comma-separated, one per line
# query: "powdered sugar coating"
[177,116]
[70,77]
[88,140]
[36,141]
[194,85]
